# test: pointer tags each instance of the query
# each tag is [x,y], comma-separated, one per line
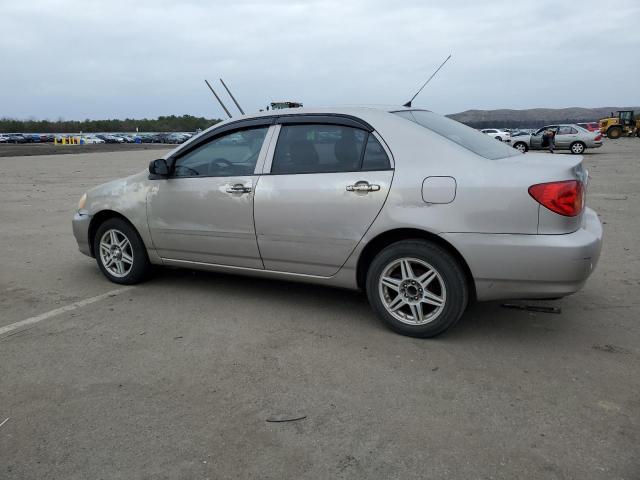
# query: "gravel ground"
[175,378]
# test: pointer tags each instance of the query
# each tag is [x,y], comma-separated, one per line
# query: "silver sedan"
[421,212]
[568,137]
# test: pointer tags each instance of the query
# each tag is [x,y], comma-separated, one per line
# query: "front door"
[325,186]
[204,211]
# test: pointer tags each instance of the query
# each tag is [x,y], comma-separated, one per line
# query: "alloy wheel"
[116,253]
[412,291]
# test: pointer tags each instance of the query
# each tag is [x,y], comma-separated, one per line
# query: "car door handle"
[363,187]
[238,188]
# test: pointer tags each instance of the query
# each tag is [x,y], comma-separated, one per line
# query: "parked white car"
[92,140]
[501,135]
[4,139]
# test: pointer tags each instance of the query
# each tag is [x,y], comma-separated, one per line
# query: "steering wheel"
[223,162]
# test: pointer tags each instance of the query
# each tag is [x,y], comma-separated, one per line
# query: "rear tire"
[120,252]
[614,132]
[577,148]
[417,288]
[498,138]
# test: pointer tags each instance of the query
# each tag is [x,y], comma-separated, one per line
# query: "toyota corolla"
[421,212]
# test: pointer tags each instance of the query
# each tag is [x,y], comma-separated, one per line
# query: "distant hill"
[534,117]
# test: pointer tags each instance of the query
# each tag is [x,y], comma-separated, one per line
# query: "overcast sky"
[144,58]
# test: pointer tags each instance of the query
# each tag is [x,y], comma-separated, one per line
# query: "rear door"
[323,186]
[565,136]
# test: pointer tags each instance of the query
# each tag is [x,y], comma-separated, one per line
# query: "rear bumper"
[80,224]
[506,266]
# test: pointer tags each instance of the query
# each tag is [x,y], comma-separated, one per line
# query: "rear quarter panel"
[491,195]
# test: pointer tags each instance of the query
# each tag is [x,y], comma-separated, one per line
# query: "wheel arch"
[383,240]
[101,217]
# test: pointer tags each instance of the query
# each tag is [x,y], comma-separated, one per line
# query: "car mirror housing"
[159,167]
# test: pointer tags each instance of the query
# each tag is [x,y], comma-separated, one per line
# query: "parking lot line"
[58,311]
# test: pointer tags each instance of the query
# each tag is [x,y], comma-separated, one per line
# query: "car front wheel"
[417,288]
[521,146]
[120,253]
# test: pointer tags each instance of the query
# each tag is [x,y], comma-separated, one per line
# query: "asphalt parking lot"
[175,378]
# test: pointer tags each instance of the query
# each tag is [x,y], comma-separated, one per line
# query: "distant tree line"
[171,123]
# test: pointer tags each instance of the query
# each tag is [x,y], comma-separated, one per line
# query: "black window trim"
[325,119]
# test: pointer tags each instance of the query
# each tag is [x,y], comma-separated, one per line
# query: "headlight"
[83,200]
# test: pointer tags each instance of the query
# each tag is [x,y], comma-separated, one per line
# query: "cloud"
[146,58]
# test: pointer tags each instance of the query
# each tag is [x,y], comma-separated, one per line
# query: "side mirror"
[159,167]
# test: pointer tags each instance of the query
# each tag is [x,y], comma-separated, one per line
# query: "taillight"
[598,138]
[565,198]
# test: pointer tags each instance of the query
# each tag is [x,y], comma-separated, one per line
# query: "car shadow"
[480,320]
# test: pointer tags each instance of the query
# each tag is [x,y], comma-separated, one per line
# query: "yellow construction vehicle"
[626,123]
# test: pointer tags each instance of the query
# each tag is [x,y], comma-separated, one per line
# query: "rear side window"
[467,137]
[375,158]
[314,148]
[567,130]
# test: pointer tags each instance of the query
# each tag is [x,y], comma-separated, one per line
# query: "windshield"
[467,137]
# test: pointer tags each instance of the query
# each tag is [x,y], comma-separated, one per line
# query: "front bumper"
[507,266]
[81,221]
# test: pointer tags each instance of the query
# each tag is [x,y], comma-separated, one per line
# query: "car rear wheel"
[577,147]
[521,146]
[417,288]
[498,138]
[120,253]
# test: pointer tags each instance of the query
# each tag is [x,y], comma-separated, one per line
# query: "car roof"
[361,111]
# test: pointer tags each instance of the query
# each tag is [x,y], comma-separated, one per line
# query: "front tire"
[521,147]
[120,253]
[417,288]
[577,148]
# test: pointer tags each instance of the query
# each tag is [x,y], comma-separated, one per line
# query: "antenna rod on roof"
[232,97]
[408,104]
[217,97]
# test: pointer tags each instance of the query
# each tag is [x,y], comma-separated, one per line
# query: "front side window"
[233,154]
[465,136]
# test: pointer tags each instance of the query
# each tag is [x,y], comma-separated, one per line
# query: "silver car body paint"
[308,227]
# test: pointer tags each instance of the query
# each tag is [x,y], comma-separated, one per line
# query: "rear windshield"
[467,137]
